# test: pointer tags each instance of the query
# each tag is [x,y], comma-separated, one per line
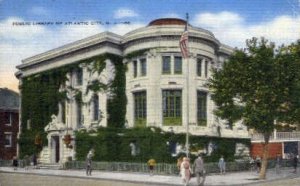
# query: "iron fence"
[160,168]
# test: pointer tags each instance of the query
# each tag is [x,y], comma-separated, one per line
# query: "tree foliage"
[259,85]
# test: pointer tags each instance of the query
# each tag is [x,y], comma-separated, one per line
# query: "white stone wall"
[155,82]
[202,43]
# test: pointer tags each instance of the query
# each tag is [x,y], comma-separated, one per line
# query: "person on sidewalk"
[15,163]
[34,161]
[221,165]
[185,171]
[258,164]
[89,162]
[278,163]
[199,170]
[295,163]
[151,164]
[179,161]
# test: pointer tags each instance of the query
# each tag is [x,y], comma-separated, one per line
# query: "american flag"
[183,43]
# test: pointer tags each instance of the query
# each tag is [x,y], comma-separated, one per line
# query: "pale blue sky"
[232,22]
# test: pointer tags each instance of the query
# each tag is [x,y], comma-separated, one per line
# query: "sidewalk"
[235,178]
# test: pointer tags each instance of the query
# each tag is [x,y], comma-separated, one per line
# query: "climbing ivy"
[41,95]
[117,102]
[113,144]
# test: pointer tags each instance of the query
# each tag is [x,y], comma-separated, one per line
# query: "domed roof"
[167,21]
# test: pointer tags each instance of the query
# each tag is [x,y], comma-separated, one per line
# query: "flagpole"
[187,145]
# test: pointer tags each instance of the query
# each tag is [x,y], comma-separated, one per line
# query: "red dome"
[167,21]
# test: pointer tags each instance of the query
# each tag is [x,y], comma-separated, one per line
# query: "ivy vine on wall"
[41,96]
[113,144]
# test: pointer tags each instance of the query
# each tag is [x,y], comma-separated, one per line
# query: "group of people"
[28,161]
[255,163]
[186,172]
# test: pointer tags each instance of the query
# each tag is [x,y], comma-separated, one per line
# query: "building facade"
[162,88]
[9,123]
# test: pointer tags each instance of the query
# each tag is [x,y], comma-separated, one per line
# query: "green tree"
[259,85]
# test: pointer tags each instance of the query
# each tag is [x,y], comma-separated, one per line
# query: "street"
[17,179]
[21,179]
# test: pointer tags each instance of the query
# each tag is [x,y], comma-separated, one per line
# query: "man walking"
[89,162]
[221,165]
[199,170]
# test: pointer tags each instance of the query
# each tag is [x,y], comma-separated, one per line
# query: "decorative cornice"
[73,47]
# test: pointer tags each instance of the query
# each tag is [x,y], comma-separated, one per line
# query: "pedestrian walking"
[295,163]
[34,161]
[185,170]
[15,163]
[89,162]
[221,165]
[258,163]
[199,170]
[151,164]
[179,161]
[252,164]
[278,163]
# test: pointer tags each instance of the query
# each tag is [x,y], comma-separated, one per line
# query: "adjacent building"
[162,88]
[9,123]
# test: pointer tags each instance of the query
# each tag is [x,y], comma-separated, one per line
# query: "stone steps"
[45,156]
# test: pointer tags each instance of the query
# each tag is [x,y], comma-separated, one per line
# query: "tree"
[259,85]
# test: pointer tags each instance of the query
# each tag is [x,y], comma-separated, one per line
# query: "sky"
[31,27]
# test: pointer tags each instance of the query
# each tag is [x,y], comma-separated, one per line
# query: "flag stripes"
[183,43]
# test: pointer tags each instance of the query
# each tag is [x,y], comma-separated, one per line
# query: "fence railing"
[160,168]
[277,136]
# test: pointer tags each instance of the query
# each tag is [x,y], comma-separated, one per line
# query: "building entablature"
[169,33]
[105,42]
[70,58]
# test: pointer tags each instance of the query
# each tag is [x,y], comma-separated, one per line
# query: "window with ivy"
[78,113]
[95,107]
[143,63]
[140,108]
[63,111]
[134,68]
[166,64]
[199,67]
[172,103]
[79,76]
[178,65]
[202,108]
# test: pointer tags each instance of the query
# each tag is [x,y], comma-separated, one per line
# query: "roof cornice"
[71,47]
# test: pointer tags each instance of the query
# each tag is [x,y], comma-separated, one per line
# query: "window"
[95,107]
[8,139]
[178,65]
[134,68]
[79,76]
[171,100]
[78,112]
[140,108]
[199,66]
[8,118]
[206,68]
[143,67]
[63,112]
[166,65]
[202,108]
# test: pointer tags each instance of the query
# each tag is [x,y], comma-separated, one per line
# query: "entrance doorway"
[55,149]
